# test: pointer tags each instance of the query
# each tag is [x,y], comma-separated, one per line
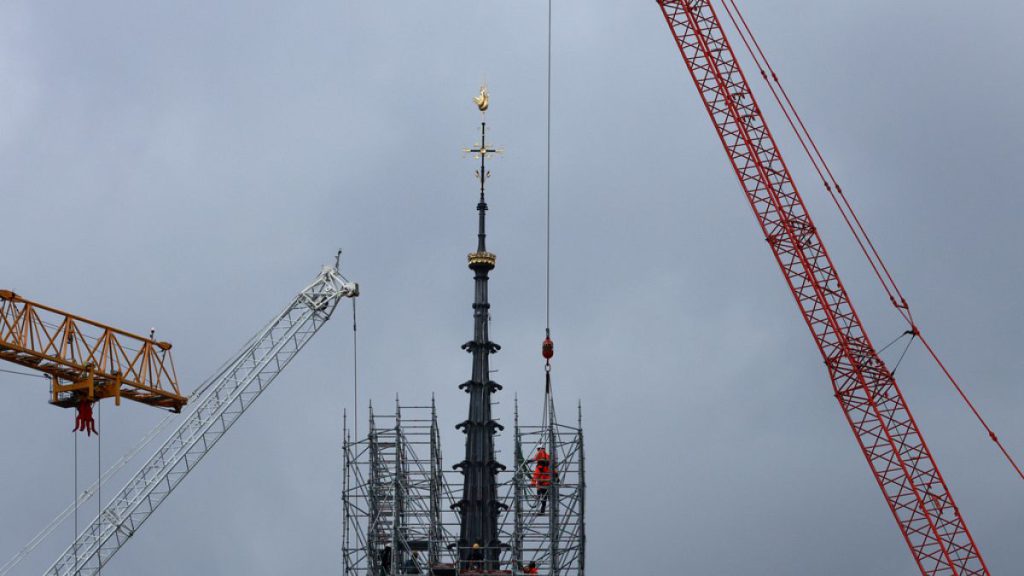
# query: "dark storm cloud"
[189,166]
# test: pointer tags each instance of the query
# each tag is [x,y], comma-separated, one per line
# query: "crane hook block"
[547,349]
[84,421]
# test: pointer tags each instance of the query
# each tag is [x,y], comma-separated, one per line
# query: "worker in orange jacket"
[542,475]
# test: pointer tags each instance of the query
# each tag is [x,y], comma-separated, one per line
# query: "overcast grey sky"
[189,165]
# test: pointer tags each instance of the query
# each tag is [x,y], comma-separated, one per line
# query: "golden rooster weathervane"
[483,100]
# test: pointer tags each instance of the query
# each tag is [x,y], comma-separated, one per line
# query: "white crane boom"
[229,395]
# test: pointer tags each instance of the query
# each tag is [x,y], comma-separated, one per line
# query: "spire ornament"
[483,100]
[481,151]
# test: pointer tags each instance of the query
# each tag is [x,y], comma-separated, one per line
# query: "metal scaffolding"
[396,497]
[398,500]
[549,527]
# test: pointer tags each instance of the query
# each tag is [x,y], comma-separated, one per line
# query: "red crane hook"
[84,421]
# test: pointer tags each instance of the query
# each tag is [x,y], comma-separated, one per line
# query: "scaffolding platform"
[394,488]
[399,506]
[549,526]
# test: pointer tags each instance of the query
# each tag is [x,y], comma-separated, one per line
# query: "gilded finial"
[483,100]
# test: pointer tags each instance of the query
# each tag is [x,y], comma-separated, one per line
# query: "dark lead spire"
[479,506]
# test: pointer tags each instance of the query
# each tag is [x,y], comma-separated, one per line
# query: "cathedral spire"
[479,546]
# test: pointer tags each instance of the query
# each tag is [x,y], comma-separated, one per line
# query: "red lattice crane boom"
[86,360]
[865,388]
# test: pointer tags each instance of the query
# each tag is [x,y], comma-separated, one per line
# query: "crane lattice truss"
[873,404]
[230,393]
[86,360]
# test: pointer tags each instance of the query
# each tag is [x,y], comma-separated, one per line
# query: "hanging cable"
[74,536]
[849,215]
[547,321]
[99,472]
[548,347]
[355,352]
[355,370]
[87,493]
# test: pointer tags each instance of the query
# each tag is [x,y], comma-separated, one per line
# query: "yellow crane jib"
[87,361]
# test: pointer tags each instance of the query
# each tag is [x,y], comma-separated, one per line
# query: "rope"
[842,203]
